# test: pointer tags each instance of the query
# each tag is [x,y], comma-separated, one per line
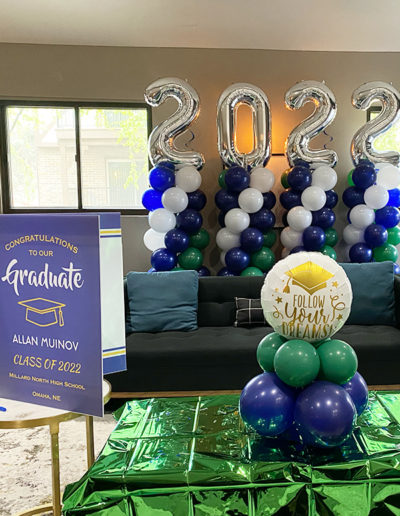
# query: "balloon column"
[373,195]
[310,387]
[174,200]
[245,198]
[309,197]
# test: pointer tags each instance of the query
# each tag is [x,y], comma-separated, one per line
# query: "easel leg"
[89,441]
[55,468]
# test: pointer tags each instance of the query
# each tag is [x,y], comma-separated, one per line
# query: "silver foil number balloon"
[161,140]
[229,101]
[297,144]
[362,145]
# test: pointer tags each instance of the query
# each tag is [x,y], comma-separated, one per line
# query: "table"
[28,415]
[194,457]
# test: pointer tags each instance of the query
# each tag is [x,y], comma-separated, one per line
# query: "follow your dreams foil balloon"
[306,296]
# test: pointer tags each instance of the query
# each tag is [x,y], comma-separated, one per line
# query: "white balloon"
[388,176]
[285,252]
[376,197]
[162,220]
[299,218]
[291,238]
[251,200]
[226,239]
[237,220]
[262,178]
[222,258]
[361,216]
[153,240]
[352,235]
[313,198]
[188,178]
[175,199]
[324,177]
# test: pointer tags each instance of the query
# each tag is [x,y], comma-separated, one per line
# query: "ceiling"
[343,25]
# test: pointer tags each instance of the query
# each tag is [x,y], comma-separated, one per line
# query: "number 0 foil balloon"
[362,145]
[161,141]
[229,101]
[297,144]
[306,296]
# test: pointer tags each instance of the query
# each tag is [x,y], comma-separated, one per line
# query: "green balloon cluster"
[264,259]
[331,237]
[385,252]
[284,181]
[266,350]
[393,236]
[350,178]
[191,258]
[269,238]
[327,250]
[200,240]
[221,179]
[252,271]
[338,361]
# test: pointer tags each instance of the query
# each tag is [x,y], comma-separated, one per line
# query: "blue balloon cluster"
[309,226]
[372,233]
[177,247]
[246,220]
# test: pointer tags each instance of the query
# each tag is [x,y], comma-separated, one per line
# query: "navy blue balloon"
[353,196]
[237,260]
[326,412]
[161,178]
[389,216]
[225,272]
[267,404]
[197,200]
[166,164]
[358,390]
[299,178]
[237,179]
[226,200]
[331,199]
[221,219]
[163,260]
[189,220]
[151,199]
[394,197]
[251,240]
[313,238]
[375,235]
[297,249]
[360,253]
[396,268]
[324,218]
[262,220]
[301,163]
[204,271]
[289,199]
[176,240]
[269,200]
[364,175]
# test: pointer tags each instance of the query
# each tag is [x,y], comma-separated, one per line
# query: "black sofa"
[219,356]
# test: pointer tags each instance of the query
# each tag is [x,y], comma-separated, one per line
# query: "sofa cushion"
[162,301]
[249,312]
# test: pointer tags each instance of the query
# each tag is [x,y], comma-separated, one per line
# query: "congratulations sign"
[306,296]
[51,349]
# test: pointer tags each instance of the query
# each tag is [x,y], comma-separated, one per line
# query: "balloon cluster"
[247,234]
[309,199]
[175,235]
[373,198]
[310,390]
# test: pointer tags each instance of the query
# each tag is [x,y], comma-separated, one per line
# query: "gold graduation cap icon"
[43,312]
[309,276]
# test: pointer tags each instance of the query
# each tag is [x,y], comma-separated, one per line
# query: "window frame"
[4,158]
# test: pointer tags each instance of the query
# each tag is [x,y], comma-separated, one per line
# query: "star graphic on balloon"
[339,317]
[276,290]
[279,300]
[335,284]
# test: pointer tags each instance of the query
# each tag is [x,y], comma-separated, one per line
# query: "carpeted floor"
[25,461]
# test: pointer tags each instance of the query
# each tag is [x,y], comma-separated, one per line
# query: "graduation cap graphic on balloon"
[43,312]
[309,276]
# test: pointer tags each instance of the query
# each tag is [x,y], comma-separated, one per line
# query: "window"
[72,157]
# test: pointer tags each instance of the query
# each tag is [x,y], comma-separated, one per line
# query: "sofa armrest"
[397,299]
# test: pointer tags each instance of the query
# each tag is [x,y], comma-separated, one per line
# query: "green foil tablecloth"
[194,457]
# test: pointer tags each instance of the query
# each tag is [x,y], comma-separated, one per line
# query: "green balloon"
[327,250]
[269,238]
[331,237]
[221,179]
[264,259]
[297,363]
[177,268]
[252,271]
[284,182]
[393,235]
[385,252]
[338,361]
[320,342]
[266,350]
[350,178]
[200,240]
[191,258]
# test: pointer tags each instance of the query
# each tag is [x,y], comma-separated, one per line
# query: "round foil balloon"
[306,296]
